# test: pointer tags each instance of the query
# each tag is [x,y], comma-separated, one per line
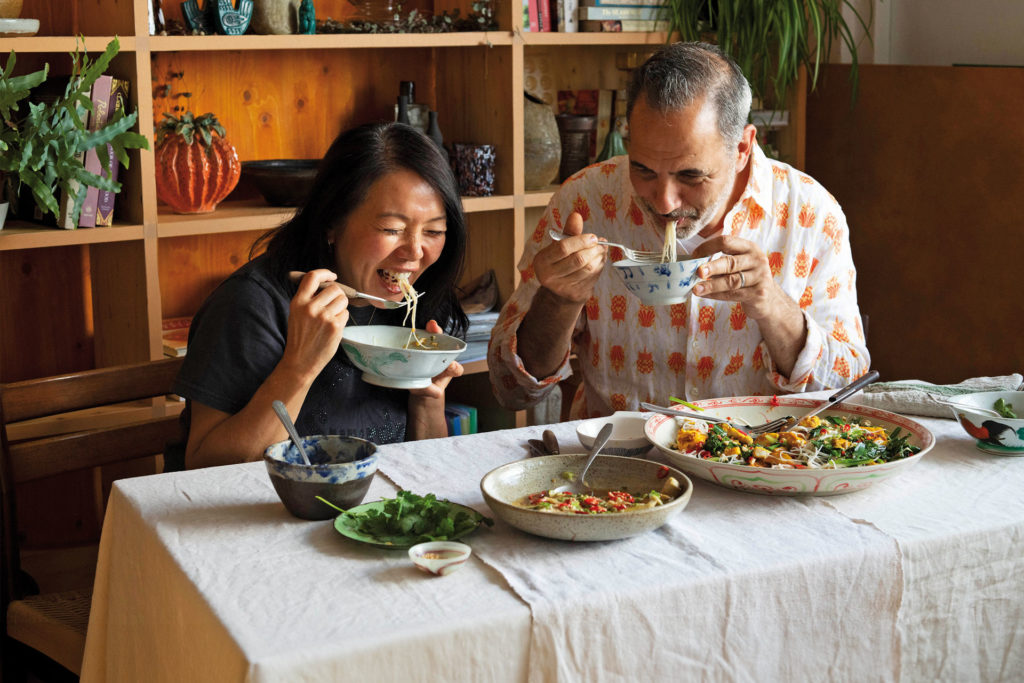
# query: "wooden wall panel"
[192,267]
[290,104]
[46,292]
[928,167]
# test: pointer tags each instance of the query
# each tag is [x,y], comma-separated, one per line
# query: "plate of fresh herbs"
[407,519]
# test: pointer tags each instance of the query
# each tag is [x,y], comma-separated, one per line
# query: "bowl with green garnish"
[995,419]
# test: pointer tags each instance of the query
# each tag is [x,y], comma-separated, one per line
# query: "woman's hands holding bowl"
[441,381]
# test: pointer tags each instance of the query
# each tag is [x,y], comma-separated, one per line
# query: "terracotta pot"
[10,9]
[193,178]
[542,144]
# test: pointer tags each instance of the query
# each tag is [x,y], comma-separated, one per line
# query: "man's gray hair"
[681,73]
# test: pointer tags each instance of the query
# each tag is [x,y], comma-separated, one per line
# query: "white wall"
[941,32]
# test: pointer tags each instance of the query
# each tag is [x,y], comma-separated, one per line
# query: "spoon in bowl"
[286,420]
[580,485]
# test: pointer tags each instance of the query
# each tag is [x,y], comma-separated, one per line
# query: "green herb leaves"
[1005,409]
[409,518]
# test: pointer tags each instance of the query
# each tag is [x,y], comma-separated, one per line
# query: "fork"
[770,426]
[637,255]
[296,275]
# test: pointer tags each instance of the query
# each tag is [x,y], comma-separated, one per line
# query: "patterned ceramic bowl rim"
[283,459]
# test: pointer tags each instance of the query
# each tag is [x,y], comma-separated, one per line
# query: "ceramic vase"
[275,17]
[542,144]
[575,139]
[10,9]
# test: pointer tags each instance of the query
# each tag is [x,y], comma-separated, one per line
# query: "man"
[776,312]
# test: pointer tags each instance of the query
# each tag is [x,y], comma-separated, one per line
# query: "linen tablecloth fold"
[915,397]
[715,609]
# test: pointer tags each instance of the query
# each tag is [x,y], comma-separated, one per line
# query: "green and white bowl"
[379,351]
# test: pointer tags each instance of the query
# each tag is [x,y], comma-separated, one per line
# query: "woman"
[384,203]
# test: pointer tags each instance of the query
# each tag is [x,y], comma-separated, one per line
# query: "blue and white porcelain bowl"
[660,284]
[341,470]
[380,352]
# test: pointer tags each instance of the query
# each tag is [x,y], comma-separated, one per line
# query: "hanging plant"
[196,166]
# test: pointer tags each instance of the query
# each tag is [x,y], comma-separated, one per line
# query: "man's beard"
[690,222]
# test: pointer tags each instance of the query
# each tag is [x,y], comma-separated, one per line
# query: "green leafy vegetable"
[416,518]
[1005,409]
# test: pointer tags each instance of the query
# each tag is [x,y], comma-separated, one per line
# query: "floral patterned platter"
[661,431]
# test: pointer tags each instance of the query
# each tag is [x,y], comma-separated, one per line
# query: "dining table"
[204,576]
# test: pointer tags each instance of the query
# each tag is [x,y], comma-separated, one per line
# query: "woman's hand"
[440,383]
[316,324]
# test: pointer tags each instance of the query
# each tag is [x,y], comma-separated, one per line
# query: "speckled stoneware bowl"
[341,470]
[379,351]
[998,435]
[661,284]
[627,439]
[505,486]
[753,410]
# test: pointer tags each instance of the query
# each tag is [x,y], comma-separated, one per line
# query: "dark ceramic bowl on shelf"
[282,182]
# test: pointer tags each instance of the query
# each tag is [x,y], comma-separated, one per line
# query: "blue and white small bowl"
[661,284]
[341,470]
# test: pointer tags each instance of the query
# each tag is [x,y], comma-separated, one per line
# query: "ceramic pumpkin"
[196,167]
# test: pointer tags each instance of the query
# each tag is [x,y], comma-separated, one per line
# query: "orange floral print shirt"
[629,352]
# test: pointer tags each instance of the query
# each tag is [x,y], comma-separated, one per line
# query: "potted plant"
[43,144]
[771,39]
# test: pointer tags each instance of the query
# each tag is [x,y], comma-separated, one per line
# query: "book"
[467,416]
[619,13]
[568,16]
[105,201]
[544,15]
[621,25]
[621,3]
[605,115]
[101,91]
[534,16]
[175,335]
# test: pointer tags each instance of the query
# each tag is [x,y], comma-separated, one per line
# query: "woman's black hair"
[356,159]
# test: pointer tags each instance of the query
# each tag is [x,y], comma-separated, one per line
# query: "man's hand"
[744,275]
[570,267]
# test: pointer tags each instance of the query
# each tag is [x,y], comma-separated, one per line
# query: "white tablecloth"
[204,576]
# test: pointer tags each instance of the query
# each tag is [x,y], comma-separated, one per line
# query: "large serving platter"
[661,431]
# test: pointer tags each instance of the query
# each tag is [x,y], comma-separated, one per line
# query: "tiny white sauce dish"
[439,557]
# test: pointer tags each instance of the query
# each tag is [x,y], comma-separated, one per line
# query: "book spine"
[101,90]
[533,16]
[640,13]
[621,3]
[571,10]
[618,25]
[544,18]
[105,201]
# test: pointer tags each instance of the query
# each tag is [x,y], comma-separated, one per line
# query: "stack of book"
[550,16]
[461,419]
[478,335]
[623,15]
[175,336]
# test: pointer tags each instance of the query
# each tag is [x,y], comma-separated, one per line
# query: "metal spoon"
[286,420]
[964,406]
[351,293]
[580,485]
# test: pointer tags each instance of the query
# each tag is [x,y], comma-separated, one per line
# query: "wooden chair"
[55,624]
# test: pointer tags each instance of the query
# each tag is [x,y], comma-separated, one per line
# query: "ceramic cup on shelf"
[575,133]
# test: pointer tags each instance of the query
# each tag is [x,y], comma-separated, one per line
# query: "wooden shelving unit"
[95,297]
